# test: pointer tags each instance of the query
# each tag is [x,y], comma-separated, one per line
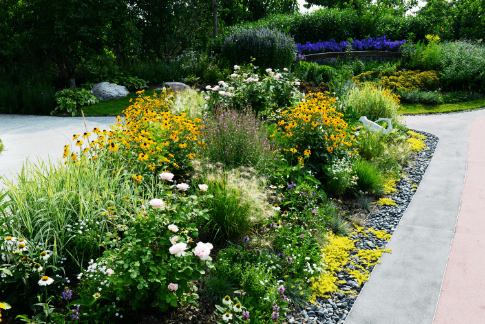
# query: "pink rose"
[207,97]
[166,176]
[110,272]
[297,83]
[222,93]
[236,67]
[183,186]
[203,187]
[156,203]
[173,228]
[202,250]
[277,76]
[173,287]
[178,249]
[234,75]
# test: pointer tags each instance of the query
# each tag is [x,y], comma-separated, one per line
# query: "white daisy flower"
[226,317]
[45,281]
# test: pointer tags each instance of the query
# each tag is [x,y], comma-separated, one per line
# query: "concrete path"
[408,286]
[43,137]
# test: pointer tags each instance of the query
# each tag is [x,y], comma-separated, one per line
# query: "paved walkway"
[435,272]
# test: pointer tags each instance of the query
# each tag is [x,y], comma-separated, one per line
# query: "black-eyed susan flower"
[113,147]
[307,152]
[79,143]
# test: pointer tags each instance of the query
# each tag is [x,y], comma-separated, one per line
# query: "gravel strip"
[335,310]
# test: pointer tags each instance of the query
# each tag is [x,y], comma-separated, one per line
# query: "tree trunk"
[214,15]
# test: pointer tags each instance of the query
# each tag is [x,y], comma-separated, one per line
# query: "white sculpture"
[375,127]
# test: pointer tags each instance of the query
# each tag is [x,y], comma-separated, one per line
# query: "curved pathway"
[39,137]
[435,272]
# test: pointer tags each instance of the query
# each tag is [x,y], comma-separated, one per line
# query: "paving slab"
[406,286]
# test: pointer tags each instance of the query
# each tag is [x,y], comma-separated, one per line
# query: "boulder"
[108,91]
[175,86]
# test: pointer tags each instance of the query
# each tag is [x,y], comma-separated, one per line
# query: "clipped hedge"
[339,24]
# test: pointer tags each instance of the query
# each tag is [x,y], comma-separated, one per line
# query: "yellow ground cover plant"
[337,256]
[314,129]
[147,140]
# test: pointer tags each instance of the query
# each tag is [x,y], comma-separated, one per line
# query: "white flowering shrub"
[341,175]
[264,93]
[157,258]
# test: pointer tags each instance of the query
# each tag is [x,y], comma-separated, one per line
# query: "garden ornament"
[375,127]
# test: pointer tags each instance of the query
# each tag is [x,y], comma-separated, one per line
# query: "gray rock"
[175,86]
[108,91]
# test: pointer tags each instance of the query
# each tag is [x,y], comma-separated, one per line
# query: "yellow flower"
[307,152]
[293,150]
[183,145]
[79,143]
[75,137]
[113,147]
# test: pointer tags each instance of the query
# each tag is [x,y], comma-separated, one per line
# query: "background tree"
[456,19]
[171,26]
[57,36]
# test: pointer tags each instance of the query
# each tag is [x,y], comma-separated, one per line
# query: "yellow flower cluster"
[314,125]
[389,185]
[149,138]
[336,255]
[385,201]
[416,141]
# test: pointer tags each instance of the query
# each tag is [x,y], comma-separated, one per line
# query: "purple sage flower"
[302,235]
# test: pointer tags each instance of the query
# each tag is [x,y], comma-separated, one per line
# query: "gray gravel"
[334,310]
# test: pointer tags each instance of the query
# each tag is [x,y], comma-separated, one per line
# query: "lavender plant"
[272,48]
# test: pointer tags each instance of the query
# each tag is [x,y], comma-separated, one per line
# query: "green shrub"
[154,254]
[373,102]
[420,96]
[312,72]
[368,177]
[431,55]
[463,66]
[1,146]
[71,100]
[132,83]
[271,47]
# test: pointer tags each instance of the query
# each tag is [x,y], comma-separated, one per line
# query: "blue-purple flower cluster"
[378,43]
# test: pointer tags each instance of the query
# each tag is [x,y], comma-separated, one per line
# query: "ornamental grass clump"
[237,138]
[270,47]
[314,130]
[374,102]
[240,201]
[69,208]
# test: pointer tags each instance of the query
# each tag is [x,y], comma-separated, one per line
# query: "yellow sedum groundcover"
[336,256]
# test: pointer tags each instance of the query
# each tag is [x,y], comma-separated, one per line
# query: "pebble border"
[334,310]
